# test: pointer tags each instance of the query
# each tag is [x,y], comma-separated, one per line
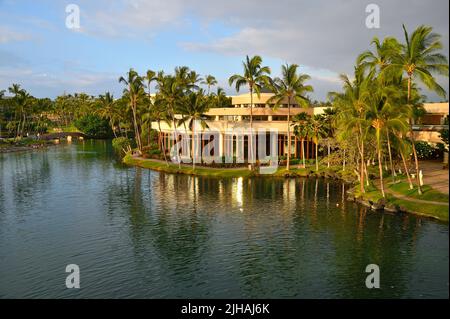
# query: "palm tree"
[317,129]
[329,116]
[171,92]
[134,89]
[419,57]
[384,117]
[107,109]
[301,130]
[378,60]
[255,76]
[290,87]
[159,114]
[150,77]
[209,81]
[194,109]
[352,107]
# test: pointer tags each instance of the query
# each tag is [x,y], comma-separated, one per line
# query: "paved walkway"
[434,175]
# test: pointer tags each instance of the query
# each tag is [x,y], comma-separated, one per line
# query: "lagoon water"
[137,233]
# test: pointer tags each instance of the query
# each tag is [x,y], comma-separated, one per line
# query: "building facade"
[231,126]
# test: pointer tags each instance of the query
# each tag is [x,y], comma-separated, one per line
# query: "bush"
[426,151]
[121,144]
[94,126]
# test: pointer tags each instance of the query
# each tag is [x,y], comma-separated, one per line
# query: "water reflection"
[139,233]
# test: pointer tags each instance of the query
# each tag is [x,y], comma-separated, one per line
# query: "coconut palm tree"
[383,116]
[301,130]
[194,108]
[159,114]
[134,89]
[420,57]
[378,60]
[107,109]
[209,81]
[255,77]
[291,88]
[352,108]
[329,116]
[171,92]
[317,129]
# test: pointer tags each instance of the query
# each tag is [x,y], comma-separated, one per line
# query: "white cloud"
[9,35]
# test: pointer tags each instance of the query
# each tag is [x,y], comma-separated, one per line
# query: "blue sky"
[324,37]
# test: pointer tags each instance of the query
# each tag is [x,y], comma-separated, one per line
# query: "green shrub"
[426,151]
[121,144]
[94,126]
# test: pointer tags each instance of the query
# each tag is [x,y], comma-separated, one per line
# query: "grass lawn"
[200,171]
[439,212]
[428,193]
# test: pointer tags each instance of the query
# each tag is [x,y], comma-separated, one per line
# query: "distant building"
[229,121]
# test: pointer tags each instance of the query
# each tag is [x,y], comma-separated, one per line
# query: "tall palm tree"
[107,109]
[317,129]
[134,89]
[171,92]
[209,81]
[159,114]
[255,77]
[383,116]
[291,88]
[194,108]
[378,60]
[329,116]
[419,58]
[301,130]
[352,106]
[150,77]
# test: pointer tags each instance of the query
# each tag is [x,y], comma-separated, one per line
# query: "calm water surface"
[136,233]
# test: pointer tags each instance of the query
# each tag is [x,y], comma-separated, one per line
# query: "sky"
[323,37]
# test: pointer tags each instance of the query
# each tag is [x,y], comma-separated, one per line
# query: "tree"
[171,93]
[302,130]
[291,88]
[209,81]
[317,129]
[134,89]
[420,57]
[351,107]
[194,109]
[255,76]
[383,116]
[107,109]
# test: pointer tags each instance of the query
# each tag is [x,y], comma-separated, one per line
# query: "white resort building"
[230,124]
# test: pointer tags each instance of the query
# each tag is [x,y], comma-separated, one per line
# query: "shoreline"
[389,204]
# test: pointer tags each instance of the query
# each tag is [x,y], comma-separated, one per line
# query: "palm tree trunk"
[380,164]
[193,144]
[407,171]
[390,156]
[251,126]
[288,132]
[343,162]
[317,155]
[362,161]
[136,129]
[413,141]
[328,144]
[303,153]
[163,144]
